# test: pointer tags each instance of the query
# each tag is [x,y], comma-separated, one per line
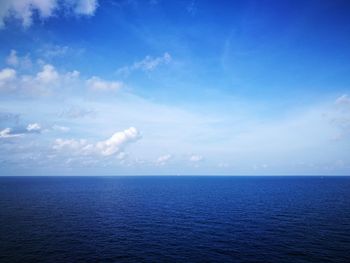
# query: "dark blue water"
[174,219]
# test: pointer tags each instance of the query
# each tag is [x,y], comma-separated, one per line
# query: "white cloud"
[33,127]
[75,112]
[196,158]
[48,79]
[7,133]
[86,7]
[162,160]
[72,75]
[7,75]
[225,139]
[50,51]
[112,146]
[24,10]
[43,82]
[147,64]
[96,83]
[12,58]
[16,61]
[48,74]
[118,141]
[341,118]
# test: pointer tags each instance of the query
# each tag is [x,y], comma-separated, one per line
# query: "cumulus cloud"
[24,10]
[96,83]
[43,82]
[48,74]
[33,127]
[162,160]
[147,64]
[7,74]
[48,79]
[118,141]
[112,146]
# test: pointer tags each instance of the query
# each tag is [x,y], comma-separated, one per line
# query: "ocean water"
[174,219]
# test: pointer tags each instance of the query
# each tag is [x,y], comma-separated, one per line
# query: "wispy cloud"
[60,128]
[16,61]
[96,83]
[196,158]
[147,64]
[12,58]
[191,8]
[77,112]
[163,160]
[51,51]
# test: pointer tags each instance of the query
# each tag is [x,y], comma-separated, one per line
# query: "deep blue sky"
[209,87]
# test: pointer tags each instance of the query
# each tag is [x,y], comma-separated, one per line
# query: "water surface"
[175,219]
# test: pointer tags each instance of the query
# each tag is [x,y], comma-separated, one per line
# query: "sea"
[174,219]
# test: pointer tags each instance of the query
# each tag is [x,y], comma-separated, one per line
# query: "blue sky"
[131,87]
